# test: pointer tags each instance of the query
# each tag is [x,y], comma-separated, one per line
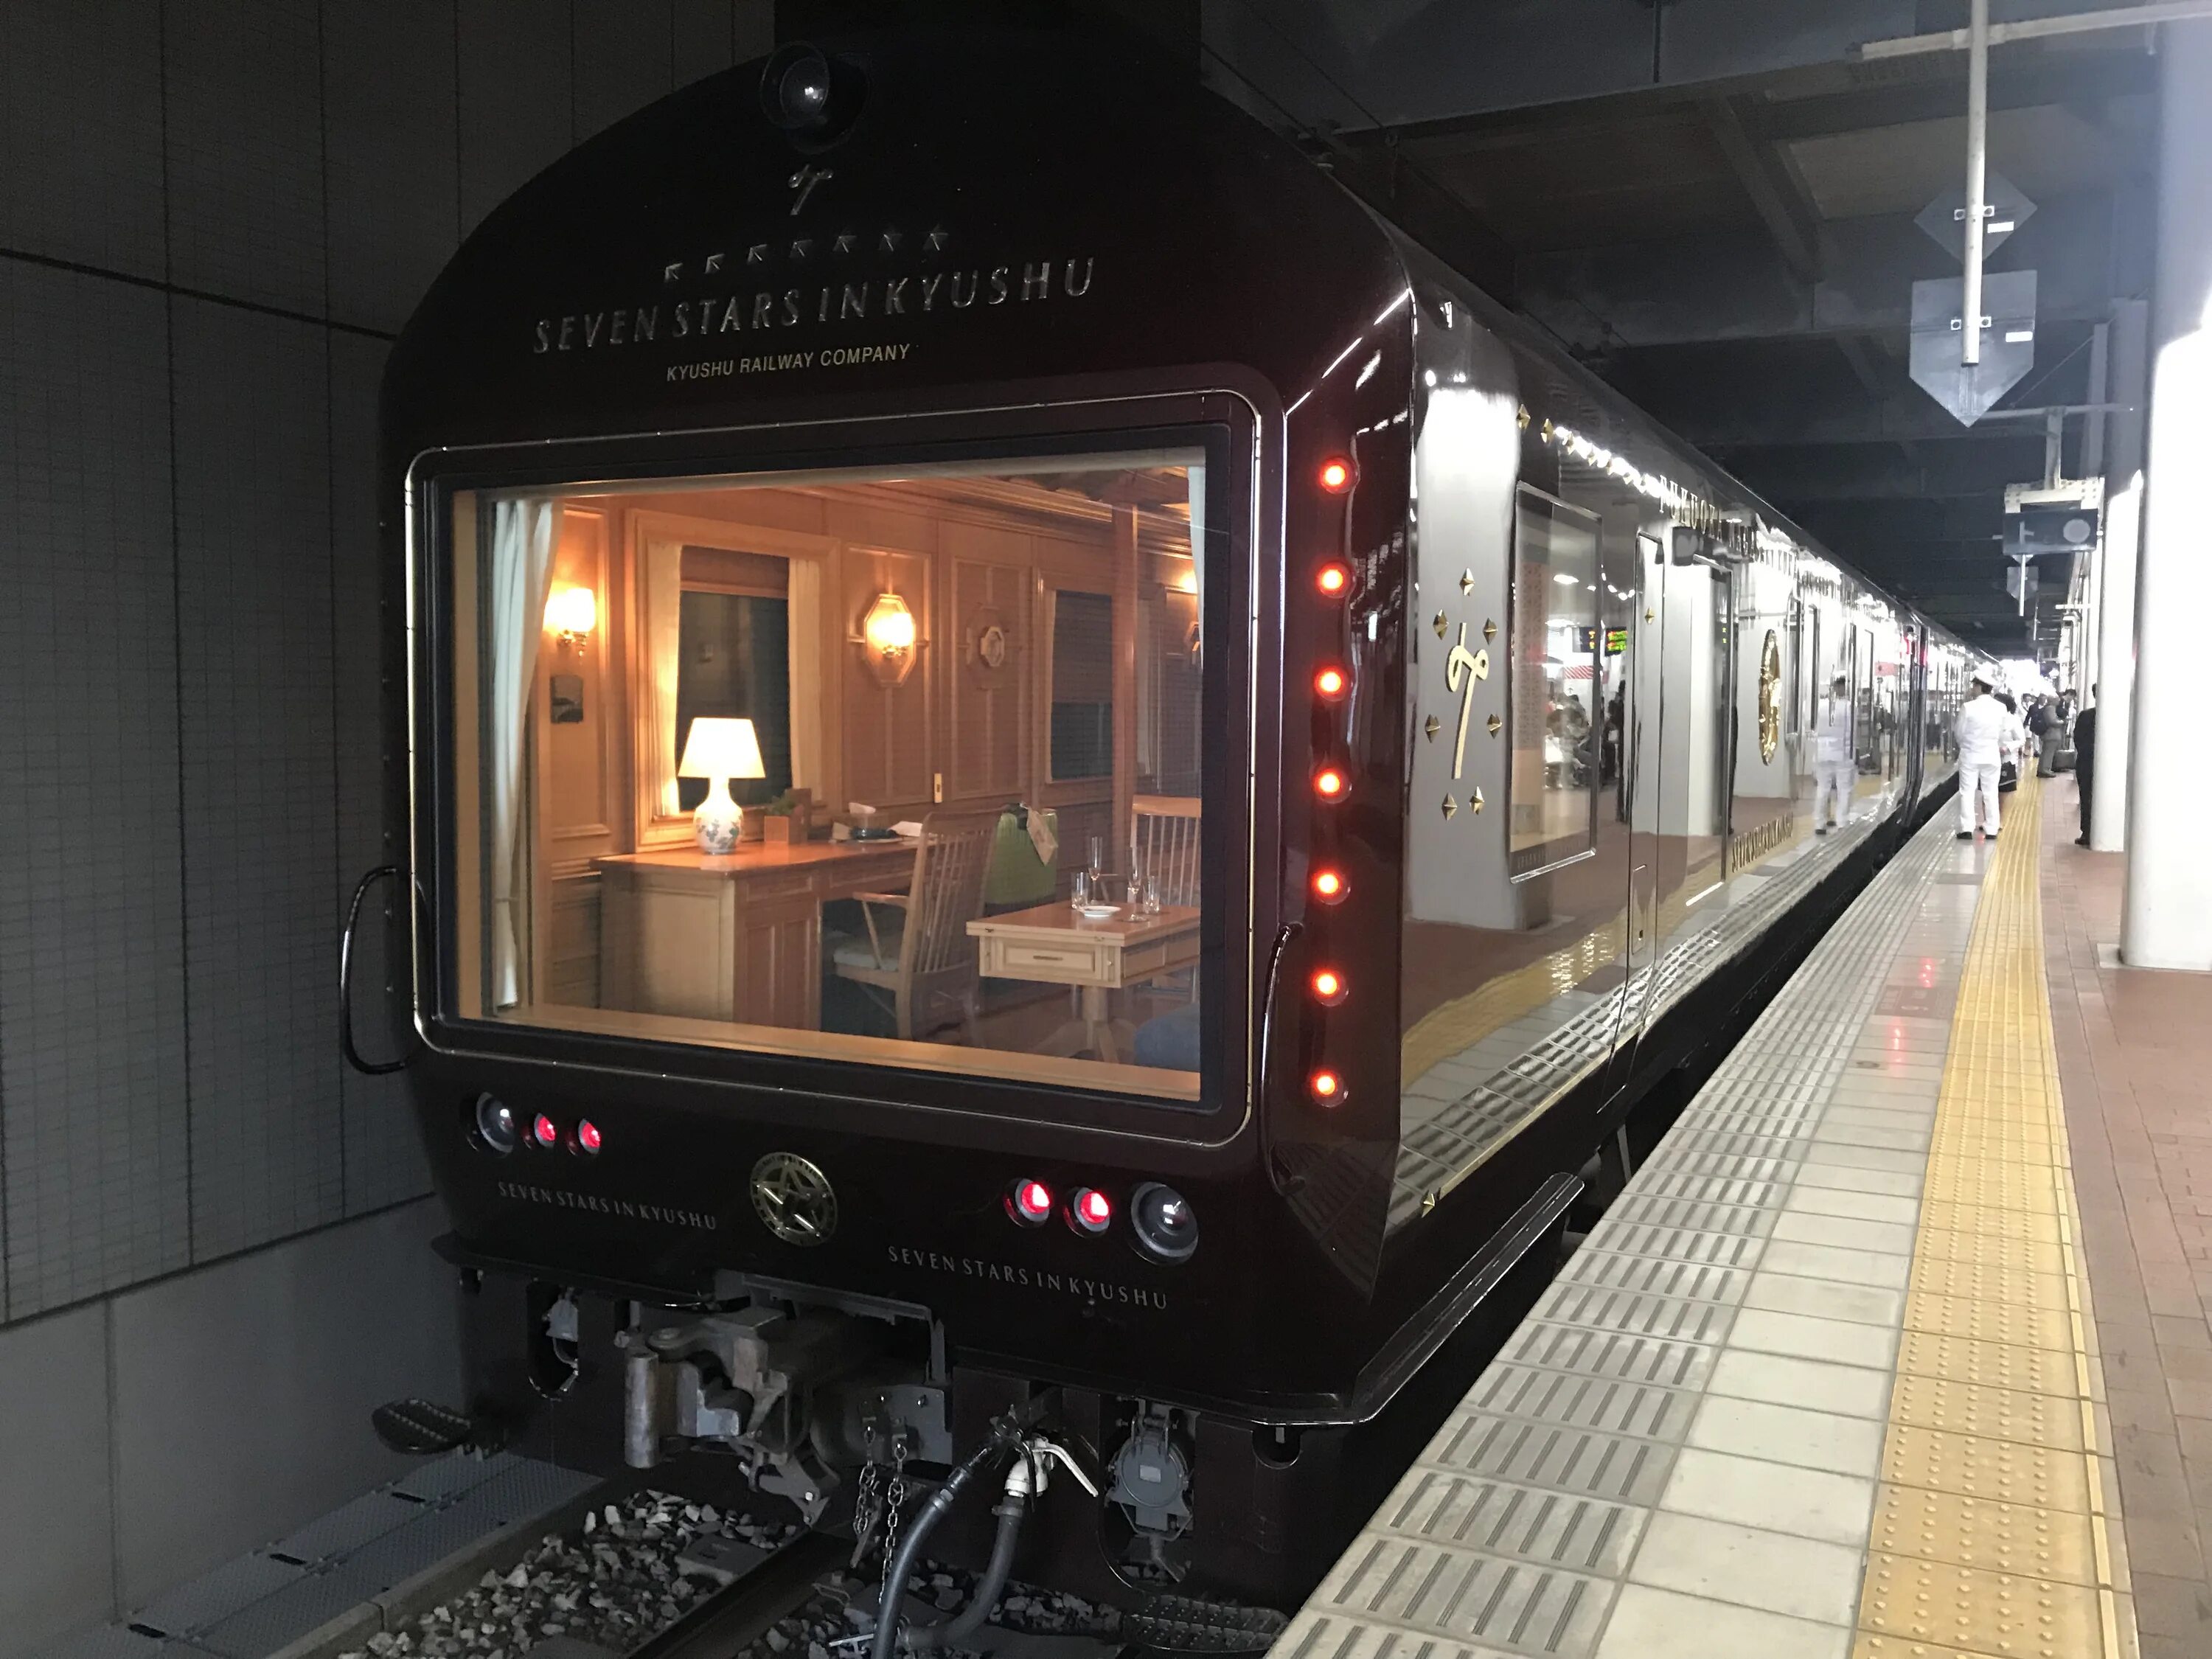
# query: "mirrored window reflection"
[1558,691]
[897,767]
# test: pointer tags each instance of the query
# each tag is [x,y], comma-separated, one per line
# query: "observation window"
[1560,660]
[822,763]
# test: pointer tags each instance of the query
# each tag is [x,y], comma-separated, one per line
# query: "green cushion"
[1017,876]
[852,951]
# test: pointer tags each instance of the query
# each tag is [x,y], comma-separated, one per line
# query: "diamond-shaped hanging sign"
[1945,218]
[1939,341]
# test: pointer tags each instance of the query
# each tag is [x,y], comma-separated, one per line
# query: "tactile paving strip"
[1991,1535]
[1514,1529]
[1534,1035]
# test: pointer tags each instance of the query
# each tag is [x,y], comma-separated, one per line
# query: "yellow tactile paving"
[1987,1320]
[1978,1532]
[1978,1250]
[1978,1611]
[1993,1536]
[1979,1465]
[2040,1369]
[2002,1281]
[2032,1420]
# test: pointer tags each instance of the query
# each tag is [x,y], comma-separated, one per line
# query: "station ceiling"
[1711,203]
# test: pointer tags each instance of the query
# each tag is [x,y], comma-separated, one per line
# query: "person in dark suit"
[2085,763]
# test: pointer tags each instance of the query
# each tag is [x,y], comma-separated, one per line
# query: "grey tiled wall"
[214,214]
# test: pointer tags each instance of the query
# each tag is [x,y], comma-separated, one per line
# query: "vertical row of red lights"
[1332,682]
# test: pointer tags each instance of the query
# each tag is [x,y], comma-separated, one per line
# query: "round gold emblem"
[794,1199]
[1770,697]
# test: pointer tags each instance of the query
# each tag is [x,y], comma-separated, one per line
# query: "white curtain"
[803,617]
[522,539]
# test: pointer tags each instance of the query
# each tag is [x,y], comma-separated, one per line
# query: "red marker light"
[545,1131]
[1030,1202]
[1091,1212]
[1329,985]
[1330,683]
[1336,475]
[1325,1087]
[1332,579]
[1330,784]
[587,1136]
[1329,885]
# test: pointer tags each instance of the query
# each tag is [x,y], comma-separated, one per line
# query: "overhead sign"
[1938,356]
[1944,219]
[2034,531]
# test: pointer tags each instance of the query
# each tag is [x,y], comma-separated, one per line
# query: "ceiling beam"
[1737,287]
[2075,77]
[1789,215]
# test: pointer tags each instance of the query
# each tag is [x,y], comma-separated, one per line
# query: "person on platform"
[2085,763]
[1834,770]
[2047,729]
[1981,729]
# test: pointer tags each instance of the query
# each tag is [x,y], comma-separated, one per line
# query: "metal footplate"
[1191,1624]
[423,1428]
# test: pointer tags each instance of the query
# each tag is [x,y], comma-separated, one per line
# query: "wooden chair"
[917,949]
[1164,828]
[1166,834]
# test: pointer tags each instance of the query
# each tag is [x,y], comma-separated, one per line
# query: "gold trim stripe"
[1996,1533]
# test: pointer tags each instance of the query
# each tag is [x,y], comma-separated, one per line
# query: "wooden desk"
[1053,943]
[738,937]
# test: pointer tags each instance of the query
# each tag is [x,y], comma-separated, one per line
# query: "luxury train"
[1052,777]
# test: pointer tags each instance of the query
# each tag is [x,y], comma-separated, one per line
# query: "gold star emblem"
[1434,727]
[1467,582]
[1475,801]
[1489,632]
[1494,724]
[1439,624]
[1451,806]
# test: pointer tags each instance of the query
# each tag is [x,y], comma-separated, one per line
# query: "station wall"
[214,216]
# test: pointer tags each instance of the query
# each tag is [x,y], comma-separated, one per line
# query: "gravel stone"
[612,1582]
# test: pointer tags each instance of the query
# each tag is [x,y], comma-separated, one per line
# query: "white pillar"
[2166,917]
[2115,671]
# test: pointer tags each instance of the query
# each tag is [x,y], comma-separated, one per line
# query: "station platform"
[1897,1345]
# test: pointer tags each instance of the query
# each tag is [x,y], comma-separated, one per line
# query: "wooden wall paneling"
[573,979]
[890,740]
[986,666]
[576,797]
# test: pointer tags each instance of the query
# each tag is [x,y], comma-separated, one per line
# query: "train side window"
[1556,691]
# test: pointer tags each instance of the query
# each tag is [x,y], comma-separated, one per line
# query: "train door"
[1642,688]
[1684,811]
[1762,698]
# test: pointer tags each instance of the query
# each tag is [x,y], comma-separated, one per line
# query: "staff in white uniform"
[1980,729]
[1834,768]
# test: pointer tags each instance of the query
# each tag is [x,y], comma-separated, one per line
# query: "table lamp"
[718,750]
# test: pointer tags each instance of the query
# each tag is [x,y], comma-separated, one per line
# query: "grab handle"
[1289,931]
[371,1068]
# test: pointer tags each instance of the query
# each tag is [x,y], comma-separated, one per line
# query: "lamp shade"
[722,748]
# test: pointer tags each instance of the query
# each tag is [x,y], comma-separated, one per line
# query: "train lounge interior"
[897,767]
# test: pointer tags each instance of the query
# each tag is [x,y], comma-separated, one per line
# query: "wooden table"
[1053,943]
[736,937]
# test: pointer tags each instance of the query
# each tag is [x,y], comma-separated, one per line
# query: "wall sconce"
[572,613]
[887,638]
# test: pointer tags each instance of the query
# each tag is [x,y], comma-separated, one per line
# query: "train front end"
[897,571]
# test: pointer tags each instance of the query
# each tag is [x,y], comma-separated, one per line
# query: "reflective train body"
[1042,764]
